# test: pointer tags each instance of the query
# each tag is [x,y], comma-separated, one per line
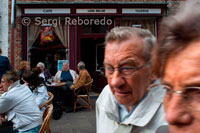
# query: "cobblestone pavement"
[82,121]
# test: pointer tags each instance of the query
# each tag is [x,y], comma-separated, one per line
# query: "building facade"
[52,30]
[4,26]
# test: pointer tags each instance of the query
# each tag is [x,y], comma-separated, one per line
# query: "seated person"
[23,67]
[69,76]
[66,74]
[35,83]
[84,76]
[45,74]
[19,104]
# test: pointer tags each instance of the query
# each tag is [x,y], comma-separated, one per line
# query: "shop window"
[87,29]
[46,48]
[100,56]
[145,24]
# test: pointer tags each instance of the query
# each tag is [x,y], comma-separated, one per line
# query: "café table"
[55,88]
[56,84]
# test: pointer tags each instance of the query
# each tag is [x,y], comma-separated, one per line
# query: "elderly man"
[177,61]
[125,105]
[18,103]
[84,76]
[69,76]
[66,74]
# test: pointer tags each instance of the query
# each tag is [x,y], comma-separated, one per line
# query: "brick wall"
[89,0]
[172,6]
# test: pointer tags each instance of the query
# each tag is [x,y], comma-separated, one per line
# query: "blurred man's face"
[183,71]
[128,91]
[1,87]
[65,67]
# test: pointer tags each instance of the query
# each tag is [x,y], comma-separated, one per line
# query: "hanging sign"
[47,11]
[46,35]
[60,64]
[141,11]
[96,11]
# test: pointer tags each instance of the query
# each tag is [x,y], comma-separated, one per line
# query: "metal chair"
[84,98]
[46,119]
[51,96]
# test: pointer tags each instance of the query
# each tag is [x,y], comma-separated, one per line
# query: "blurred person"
[68,76]
[4,64]
[19,105]
[35,83]
[1,88]
[176,60]
[83,78]
[23,66]
[125,104]
[45,74]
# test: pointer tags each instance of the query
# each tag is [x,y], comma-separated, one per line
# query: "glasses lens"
[190,96]
[193,98]
[127,71]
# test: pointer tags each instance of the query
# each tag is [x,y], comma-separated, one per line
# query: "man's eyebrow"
[128,61]
[106,63]
[166,83]
[194,81]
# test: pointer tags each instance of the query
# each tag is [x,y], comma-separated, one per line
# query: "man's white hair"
[40,64]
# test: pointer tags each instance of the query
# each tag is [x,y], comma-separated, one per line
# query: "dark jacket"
[4,65]
[47,74]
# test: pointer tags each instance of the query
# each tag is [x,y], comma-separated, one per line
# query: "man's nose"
[176,112]
[117,80]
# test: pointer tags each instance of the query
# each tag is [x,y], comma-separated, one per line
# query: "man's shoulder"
[72,71]
[105,95]
[3,58]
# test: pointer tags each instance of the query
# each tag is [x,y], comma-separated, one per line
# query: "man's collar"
[142,114]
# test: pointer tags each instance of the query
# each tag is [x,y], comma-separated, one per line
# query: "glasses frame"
[121,68]
[179,92]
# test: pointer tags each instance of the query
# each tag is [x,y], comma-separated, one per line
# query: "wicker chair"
[46,119]
[51,96]
[84,98]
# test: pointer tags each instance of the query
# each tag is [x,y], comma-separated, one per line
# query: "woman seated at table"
[35,83]
[45,74]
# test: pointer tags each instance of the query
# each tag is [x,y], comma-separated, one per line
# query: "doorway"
[92,54]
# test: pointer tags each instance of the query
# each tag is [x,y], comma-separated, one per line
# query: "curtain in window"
[34,32]
[62,32]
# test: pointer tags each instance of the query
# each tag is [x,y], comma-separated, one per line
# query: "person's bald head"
[65,66]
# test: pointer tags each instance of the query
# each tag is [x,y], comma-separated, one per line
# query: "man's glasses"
[190,95]
[126,72]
